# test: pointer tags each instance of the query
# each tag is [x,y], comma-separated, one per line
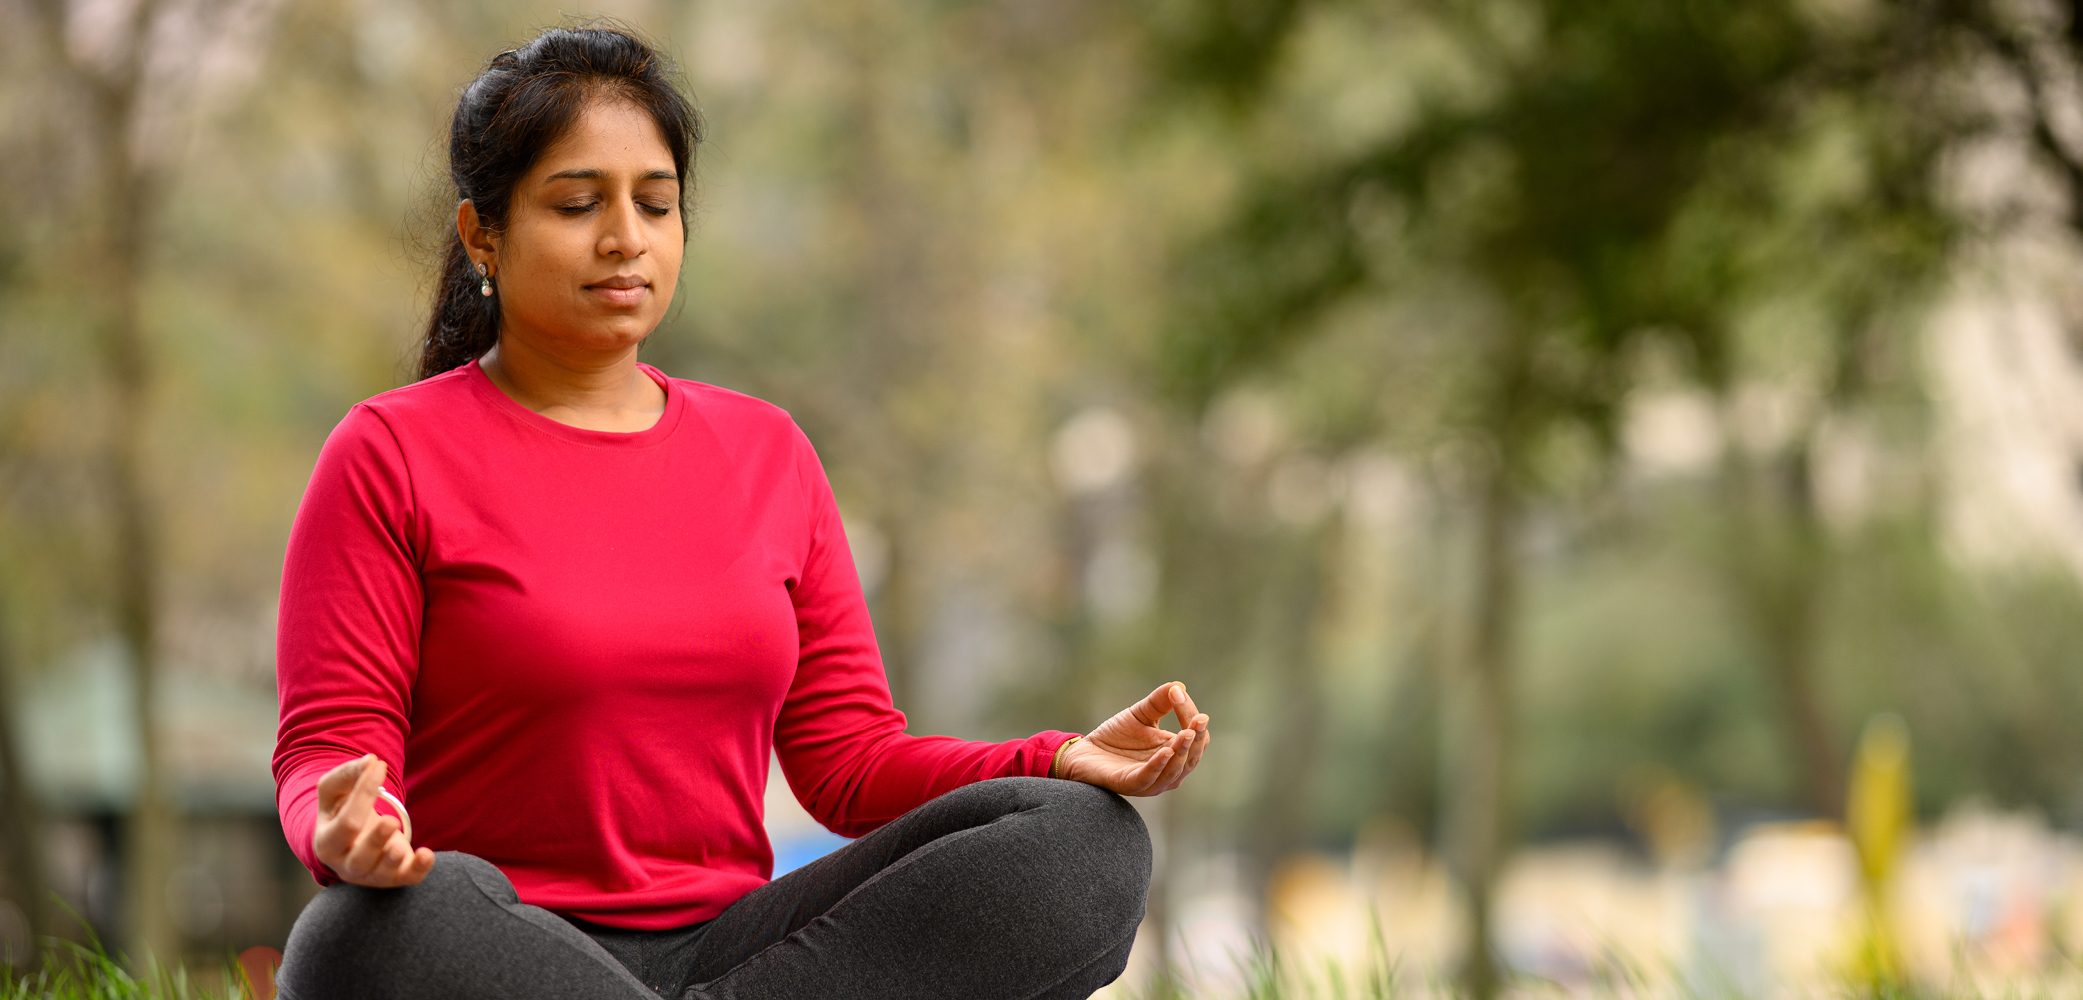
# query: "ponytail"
[465,322]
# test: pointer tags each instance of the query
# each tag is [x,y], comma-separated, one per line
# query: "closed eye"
[658,210]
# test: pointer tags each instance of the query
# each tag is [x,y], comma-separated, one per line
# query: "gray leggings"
[1015,888]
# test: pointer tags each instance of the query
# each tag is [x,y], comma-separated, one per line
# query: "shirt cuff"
[1056,755]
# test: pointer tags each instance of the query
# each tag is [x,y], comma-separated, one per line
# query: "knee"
[454,873]
[346,923]
[462,872]
[1105,844]
[1105,823]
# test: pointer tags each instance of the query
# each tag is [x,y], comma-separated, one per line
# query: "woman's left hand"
[1131,754]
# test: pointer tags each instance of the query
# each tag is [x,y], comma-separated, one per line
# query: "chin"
[626,332]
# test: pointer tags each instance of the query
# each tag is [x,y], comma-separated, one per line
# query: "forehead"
[613,136]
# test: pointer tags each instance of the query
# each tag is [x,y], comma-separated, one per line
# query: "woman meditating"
[547,612]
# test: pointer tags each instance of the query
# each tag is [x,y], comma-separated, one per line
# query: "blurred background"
[1613,472]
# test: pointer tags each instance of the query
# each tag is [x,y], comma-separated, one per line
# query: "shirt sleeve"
[347,638]
[841,741]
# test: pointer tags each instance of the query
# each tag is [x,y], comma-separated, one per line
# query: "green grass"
[85,974]
[73,971]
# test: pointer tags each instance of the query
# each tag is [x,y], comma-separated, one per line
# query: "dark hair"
[523,102]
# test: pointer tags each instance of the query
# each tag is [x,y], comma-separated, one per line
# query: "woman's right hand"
[358,843]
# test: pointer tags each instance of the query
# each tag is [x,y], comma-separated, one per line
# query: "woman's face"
[601,208]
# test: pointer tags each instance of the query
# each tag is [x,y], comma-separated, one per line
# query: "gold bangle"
[1056,762]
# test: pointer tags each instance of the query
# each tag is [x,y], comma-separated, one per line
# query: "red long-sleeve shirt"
[575,649]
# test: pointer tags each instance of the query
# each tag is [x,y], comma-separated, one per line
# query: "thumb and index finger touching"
[353,786]
[354,840]
[1169,697]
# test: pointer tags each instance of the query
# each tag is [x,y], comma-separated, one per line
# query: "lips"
[617,296]
[620,281]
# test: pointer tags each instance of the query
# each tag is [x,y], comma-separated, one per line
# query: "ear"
[481,243]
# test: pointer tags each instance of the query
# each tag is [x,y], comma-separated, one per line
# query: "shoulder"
[758,432]
[738,415]
[384,431]
[437,398]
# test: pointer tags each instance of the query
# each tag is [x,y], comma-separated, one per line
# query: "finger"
[391,854]
[1174,754]
[1193,758]
[1175,768]
[397,853]
[1143,780]
[399,865]
[1200,743]
[398,861]
[366,855]
[415,871]
[1190,754]
[337,784]
[339,822]
[361,801]
[1184,705]
[1153,708]
[365,852]
[352,817]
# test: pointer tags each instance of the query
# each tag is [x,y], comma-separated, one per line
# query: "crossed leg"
[1017,888]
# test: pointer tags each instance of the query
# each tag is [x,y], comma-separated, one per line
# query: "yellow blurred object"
[1878,816]
[1878,812]
[1672,817]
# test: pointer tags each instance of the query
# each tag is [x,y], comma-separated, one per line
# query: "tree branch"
[2018,53]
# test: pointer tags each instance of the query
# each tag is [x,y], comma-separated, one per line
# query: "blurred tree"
[1811,308]
[21,816]
[119,204]
[42,492]
[2041,46]
[1534,171]
[127,105]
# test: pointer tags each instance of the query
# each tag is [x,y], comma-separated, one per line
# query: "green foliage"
[1629,170]
[69,970]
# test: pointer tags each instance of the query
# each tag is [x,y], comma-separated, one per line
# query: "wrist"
[1060,767]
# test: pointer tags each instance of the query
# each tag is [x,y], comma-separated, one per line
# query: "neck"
[594,391]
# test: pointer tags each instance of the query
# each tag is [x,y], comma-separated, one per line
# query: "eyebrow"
[592,173]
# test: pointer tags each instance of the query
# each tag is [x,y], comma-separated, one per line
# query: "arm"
[841,741]
[347,642]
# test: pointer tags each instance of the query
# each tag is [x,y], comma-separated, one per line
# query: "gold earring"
[484,287]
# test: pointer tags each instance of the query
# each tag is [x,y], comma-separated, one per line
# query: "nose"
[625,231]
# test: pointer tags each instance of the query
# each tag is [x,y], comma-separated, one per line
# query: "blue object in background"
[797,849]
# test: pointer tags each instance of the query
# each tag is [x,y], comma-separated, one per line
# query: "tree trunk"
[1292,751]
[126,357]
[1479,794]
[1780,560]
[21,818]
[123,198]
[1478,787]
[1196,634]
